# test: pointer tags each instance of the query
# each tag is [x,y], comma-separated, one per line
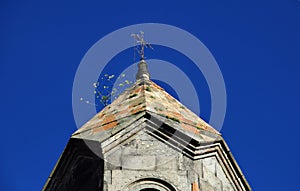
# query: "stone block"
[138,162]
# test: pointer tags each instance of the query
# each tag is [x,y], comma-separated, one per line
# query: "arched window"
[150,184]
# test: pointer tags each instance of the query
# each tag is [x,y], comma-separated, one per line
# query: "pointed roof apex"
[143,73]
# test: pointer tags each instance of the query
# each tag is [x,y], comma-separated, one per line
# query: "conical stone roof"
[147,101]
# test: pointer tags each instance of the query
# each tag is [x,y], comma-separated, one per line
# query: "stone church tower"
[146,140]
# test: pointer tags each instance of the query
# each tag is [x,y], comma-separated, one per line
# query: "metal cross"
[139,38]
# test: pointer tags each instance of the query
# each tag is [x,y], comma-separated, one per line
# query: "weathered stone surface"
[136,162]
[212,175]
[143,156]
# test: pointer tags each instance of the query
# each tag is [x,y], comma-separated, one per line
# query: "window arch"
[149,189]
[150,184]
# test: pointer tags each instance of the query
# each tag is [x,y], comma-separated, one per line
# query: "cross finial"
[139,38]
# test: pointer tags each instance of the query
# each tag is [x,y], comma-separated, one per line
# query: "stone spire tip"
[143,73]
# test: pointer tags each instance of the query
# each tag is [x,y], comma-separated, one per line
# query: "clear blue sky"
[256,44]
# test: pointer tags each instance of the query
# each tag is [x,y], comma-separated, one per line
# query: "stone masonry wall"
[143,156]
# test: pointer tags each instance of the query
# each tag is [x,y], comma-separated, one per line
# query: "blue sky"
[256,44]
